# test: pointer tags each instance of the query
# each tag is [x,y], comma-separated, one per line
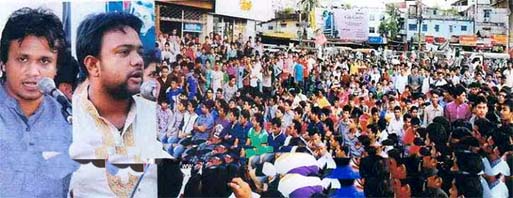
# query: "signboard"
[499,40]
[192,27]
[375,40]
[352,24]
[468,40]
[430,39]
[257,10]
[440,40]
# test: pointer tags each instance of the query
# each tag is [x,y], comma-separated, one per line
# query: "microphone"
[47,87]
[149,90]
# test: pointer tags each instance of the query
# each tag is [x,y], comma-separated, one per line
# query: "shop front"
[240,18]
[186,17]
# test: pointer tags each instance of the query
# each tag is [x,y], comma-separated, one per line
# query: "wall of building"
[444,28]
[288,27]
[375,16]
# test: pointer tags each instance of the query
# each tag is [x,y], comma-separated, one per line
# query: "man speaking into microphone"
[34,136]
[110,121]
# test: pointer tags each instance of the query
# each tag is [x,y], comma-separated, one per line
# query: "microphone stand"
[66,112]
[139,181]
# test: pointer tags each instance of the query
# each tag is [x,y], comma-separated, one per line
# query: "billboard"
[352,24]
[258,10]
[468,40]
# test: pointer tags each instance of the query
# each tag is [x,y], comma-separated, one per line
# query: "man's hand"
[240,188]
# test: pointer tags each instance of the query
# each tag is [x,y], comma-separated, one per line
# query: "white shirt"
[396,126]
[509,77]
[217,80]
[400,83]
[94,137]
[425,84]
[501,167]
[188,122]
[91,181]
[431,112]
[256,75]
[500,190]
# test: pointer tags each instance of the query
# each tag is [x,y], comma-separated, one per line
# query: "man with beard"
[110,121]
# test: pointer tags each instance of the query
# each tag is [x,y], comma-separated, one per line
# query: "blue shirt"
[240,132]
[172,96]
[23,170]
[193,86]
[276,141]
[204,120]
[298,73]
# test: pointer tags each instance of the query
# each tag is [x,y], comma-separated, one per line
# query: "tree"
[308,5]
[390,25]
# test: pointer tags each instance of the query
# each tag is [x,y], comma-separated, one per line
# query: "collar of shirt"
[84,101]
[11,103]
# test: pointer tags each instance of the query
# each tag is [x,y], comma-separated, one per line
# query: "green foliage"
[308,5]
[390,26]
[288,11]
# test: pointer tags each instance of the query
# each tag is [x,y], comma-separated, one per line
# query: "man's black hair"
[90,32]
[39,22]
[245,114]
[235,112]
[68,69]
[259,118]
[276,122]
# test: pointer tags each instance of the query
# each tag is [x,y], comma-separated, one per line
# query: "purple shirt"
[231,70]
[454,111]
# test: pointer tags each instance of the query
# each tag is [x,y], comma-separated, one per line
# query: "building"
[376,16]
[186,16]
[507,4]
[491,23]
[436,25]
[240,17]
[286,25]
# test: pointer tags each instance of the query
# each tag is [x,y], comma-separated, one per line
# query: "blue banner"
[192,27]
[375,40]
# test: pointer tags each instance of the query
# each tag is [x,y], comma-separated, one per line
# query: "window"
[283,25]
[412,27]
[437,28]
[424,28]
[371,17]
[270,27]
[372,30]
[463,28]
[487,13]
[450,28]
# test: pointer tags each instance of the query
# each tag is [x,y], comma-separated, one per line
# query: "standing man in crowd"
[110,121]
[458,109]
[34,136]
[434,109]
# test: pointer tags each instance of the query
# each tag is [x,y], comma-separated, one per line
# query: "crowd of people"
[234,119]
[347,124]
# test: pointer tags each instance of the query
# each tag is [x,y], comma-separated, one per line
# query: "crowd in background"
[346,124]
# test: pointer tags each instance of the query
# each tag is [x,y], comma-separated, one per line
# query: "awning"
[285,35]
[470,40]
[202,4]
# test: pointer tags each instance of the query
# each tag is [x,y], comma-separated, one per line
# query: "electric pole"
[419,21]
